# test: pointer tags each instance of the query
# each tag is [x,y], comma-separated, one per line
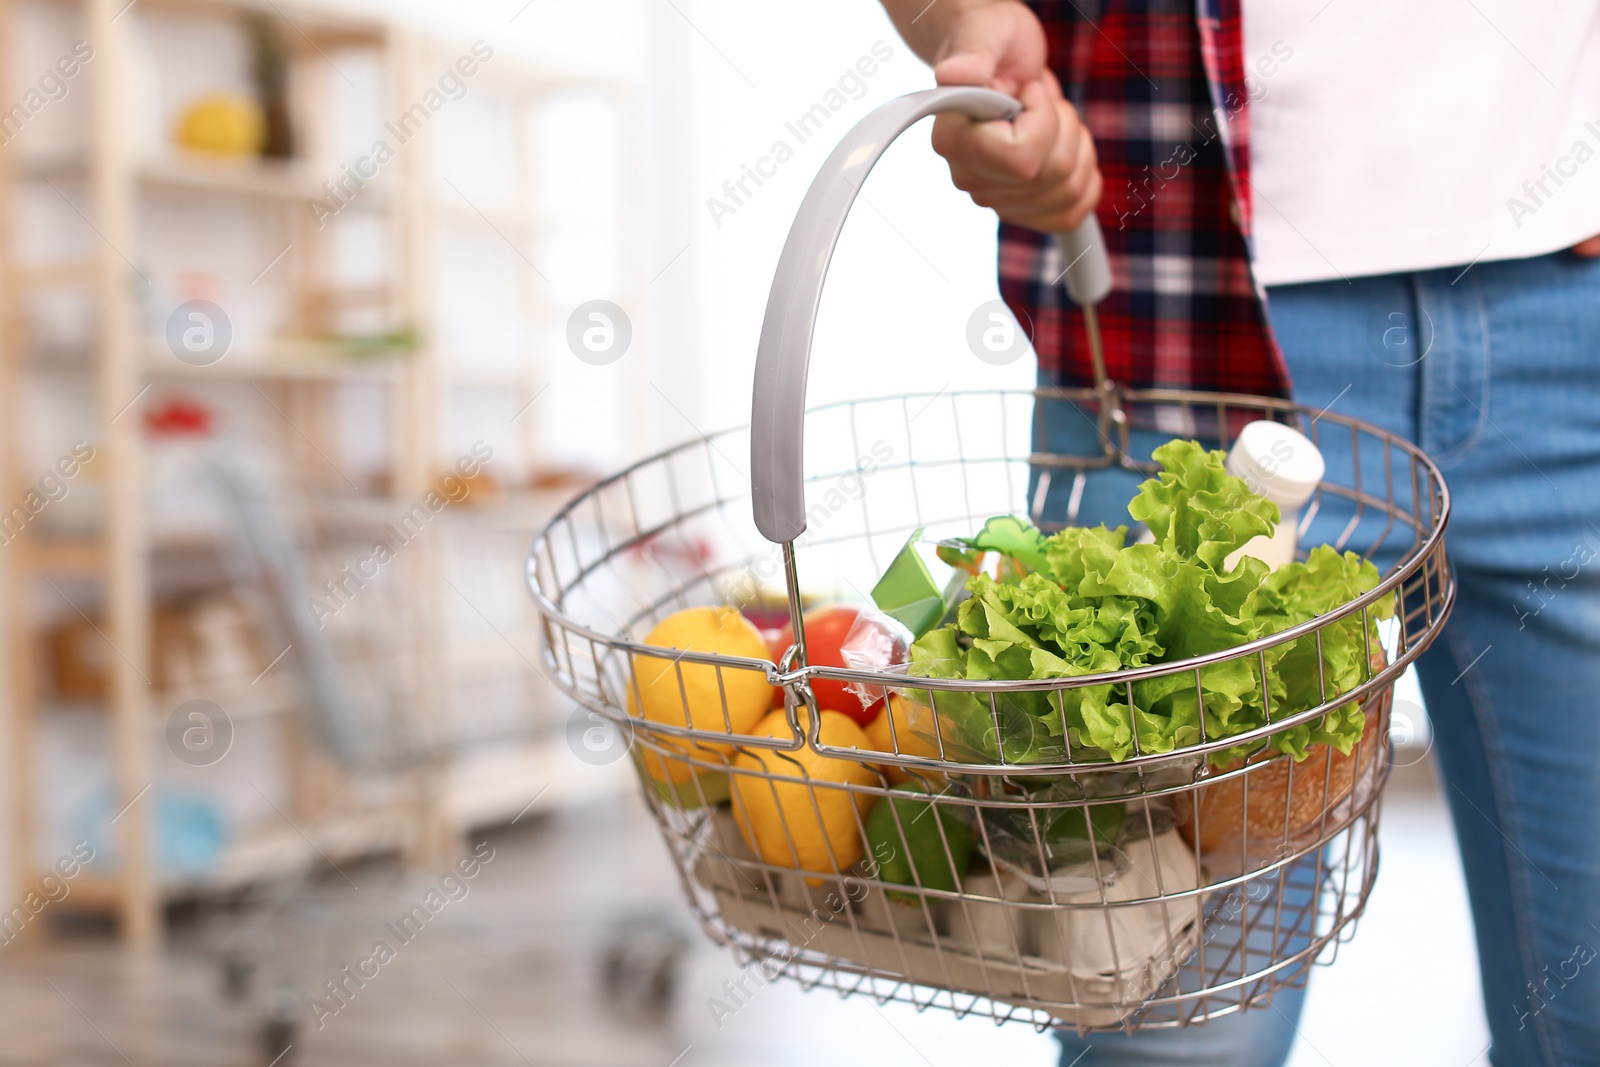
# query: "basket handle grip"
[777,420]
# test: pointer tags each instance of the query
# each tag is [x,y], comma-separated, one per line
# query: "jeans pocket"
[1452,321]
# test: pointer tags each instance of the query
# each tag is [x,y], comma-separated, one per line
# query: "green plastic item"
[907,592]
[1014,537]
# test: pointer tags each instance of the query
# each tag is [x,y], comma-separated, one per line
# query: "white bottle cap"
[1277,461]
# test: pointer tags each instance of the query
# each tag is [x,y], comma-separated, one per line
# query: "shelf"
[481,792]
[131,550]
[242,700]
[85,553]
[275,848]
[283,360]
[326,26]
[269,850]
[257,178]
[74,555]
[292,182]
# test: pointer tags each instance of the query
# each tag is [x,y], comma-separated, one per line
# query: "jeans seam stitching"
[1519,884]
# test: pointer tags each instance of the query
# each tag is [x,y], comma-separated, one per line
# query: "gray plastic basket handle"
[777,420]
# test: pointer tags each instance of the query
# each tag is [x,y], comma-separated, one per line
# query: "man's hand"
[1037,170]
[1588,249]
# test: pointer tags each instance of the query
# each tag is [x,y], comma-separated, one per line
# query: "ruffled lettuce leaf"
[1196,509]
[982,728]
[1296,593]
[1083,601]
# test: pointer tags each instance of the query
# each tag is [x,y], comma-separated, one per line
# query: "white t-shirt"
[1409,134]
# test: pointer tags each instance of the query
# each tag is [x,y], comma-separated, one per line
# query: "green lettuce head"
[1083,601]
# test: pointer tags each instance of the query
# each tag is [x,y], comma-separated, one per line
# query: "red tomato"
[826,630]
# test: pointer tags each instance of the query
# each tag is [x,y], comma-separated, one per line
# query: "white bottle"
[1281,464]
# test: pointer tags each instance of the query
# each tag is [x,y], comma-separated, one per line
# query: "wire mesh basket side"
[1105,888]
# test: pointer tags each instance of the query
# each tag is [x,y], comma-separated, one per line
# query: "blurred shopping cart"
[364,599]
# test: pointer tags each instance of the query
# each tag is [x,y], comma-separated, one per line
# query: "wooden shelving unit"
[299,377]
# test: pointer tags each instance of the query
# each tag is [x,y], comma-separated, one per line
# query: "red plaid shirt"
[1161,86]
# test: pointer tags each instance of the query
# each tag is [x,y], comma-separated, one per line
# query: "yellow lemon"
[224,124]
[915,734]
[797,816]
[678,693]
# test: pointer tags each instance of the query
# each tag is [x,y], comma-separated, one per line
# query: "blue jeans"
[1495,373]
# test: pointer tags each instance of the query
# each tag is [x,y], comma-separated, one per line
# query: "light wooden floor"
[509,975]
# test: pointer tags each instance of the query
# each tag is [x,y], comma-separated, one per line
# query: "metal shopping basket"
[1221,882]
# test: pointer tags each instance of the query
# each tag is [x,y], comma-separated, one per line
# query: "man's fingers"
[1000,46]
[1085,178]
[1020,159]
[1087,203]
[1055,186]
[992,151]
[1067,188]
[1037,170]
[1055,219]
[1014,151]
[1018,150]
[1588,249]
[1012,200]
[974,66]
[972,54]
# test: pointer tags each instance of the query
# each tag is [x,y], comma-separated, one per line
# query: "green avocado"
[904,840]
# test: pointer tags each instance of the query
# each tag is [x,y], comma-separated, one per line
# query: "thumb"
[1589,249]
[1001,46]
[969,62]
